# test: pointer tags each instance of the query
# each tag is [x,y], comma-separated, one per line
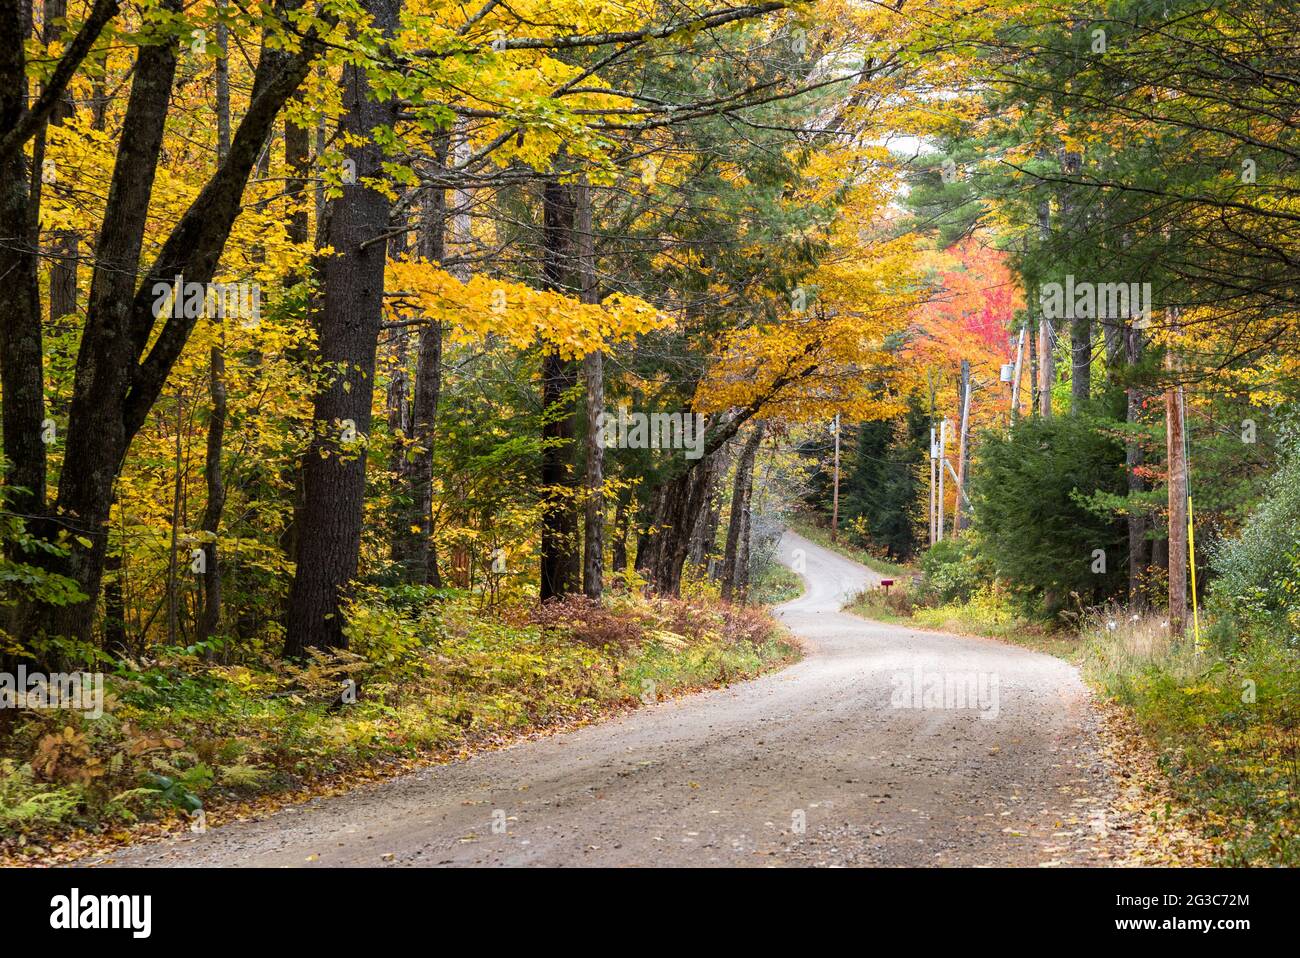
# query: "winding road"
[852,756]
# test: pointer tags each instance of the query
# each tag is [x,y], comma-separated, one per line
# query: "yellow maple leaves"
[516,313]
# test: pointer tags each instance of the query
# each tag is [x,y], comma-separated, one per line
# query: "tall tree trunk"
[559,559]
[300,194]
[96,437]
[210,524]
[1073,218]
[1046,357]
[63,243]
[1176,459]
[705,533]
[1138,546]
[618,552]
[348,318]
[736,555]
[21,347]
[421,558]
[961,519]
[1033,360]
[675,506]
[593,539]
[593,373]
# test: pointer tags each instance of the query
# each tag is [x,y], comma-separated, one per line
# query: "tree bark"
[63,243]
[593,372]
[1073,217]
[1138,546]
[1046,357]
[559,550]
[348,318]
[618,553]
[736,555]
[21,346]
[210,618]
[1177,463]
[420,558]
[675,506]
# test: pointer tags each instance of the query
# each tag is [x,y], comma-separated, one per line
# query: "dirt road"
[849,757]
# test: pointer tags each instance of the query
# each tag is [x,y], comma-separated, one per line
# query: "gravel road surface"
[883,746]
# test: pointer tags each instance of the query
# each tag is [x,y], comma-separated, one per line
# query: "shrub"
[588,622]
[1258,573]
[1036,495]
[950,572]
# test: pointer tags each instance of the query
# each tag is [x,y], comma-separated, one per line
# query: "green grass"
[774,584]
[822,537]
[1224,725]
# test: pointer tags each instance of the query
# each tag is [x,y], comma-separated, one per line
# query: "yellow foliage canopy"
[516,313]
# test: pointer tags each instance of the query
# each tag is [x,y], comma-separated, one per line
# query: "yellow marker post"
[1191,552]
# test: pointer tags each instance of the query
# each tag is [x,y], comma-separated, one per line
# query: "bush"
[1257,587]
[1035,494]
[588,622]
[950,572]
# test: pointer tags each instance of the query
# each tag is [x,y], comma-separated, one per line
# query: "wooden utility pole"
[959,513]
[1176,457]
[943,442]
[1046,367]
[1015,376]
[835,496]
[934,458]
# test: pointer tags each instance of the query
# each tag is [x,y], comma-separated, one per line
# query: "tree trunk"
[210,619]
[593,373]
[1033,361]
[21,347]
[348,318]
[1177,463]
[428,383]
[675,507]
[559,559]
[63,243]
[1138,546]
[1073,219]
[618,556]
[737,531]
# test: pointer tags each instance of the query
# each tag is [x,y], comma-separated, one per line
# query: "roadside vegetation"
[1223,715]
[437,675]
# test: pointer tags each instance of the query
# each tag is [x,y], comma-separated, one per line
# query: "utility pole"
[1046,367]
[1176,458]
[835,499]
[1015,376]
[959,514]
[934,457]
[943,442]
